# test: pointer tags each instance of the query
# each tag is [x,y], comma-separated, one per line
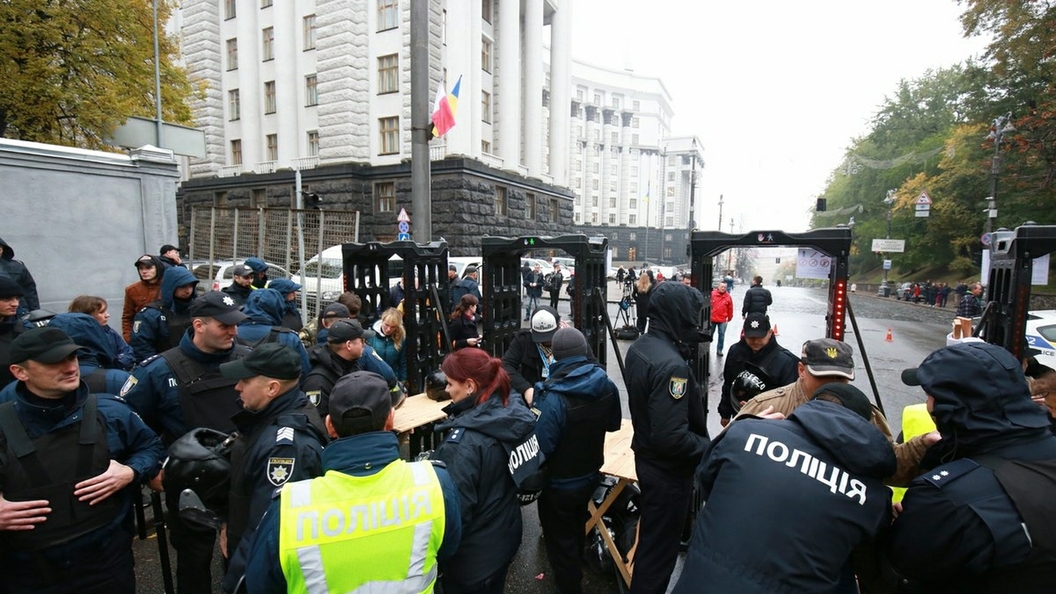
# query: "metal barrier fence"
[287,239]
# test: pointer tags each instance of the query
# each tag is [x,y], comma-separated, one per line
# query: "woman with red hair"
[484,423]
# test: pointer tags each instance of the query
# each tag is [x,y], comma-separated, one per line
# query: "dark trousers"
[109,569]
[194,552]
[563,515]
[554,296]
[663,505]
[493,584]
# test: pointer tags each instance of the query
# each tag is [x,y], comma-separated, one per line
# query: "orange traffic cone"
[888,337]
[776,333]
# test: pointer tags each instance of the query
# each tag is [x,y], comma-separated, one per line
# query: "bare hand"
[98,488]
[896,510]
[528,395]
[932,437]
[22,515]
[156,483]
[724,422]
[223,541]
[769,414]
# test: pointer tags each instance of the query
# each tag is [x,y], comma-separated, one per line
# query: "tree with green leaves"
[71,71]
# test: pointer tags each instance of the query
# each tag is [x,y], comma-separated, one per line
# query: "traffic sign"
[404,227]
[403,216]
[923,198]
[403,237]
[985,238]
[889,245]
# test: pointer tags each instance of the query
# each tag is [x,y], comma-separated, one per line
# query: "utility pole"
[421,199]
[889,201]
[719,228]
[729,253]
[1002,126]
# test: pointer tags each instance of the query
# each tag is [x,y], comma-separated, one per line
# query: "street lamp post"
[719,228]
[729,253]
[1002,126]
[889,201]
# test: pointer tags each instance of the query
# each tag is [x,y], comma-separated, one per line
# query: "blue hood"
[174,278]
[855,442]
[586,381]
[265,306]
[284,286]
[89,334]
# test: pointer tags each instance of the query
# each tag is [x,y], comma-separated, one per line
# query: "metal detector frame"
[502,283]
[835,242]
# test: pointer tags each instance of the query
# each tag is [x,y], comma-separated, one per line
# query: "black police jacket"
[775,360]
[756,300]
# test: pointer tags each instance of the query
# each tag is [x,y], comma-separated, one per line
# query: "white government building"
[308,83]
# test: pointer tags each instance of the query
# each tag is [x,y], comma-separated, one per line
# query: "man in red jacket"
[721,314]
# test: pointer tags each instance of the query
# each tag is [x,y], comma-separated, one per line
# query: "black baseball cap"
[827,357]
[359,402]
[336,310]
[146,260]
[270,360]
[241,270]
[168,247]
[756,325]
[43,345]
[217,305]
[9,288]
[343,330]
[850,397]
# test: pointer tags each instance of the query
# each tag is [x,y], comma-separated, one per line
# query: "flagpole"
[421,199]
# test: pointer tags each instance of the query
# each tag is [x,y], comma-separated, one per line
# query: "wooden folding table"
[619,462]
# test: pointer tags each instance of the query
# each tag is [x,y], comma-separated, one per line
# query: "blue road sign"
[404,227]
[403,237]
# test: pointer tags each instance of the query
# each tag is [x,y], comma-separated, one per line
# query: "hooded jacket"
[138,295]
[479,437]
[265,308]
[960,531]
[151,326]
[385,347]
[666,403]
[98,350]
[291,317]
[10,328]
[18,272]
[807,489]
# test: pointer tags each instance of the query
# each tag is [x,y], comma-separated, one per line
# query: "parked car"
[905,291]
[544,266]
[461,262]
[569,264]
[218,274]
[1041,335]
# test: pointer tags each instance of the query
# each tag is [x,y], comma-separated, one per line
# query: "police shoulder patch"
[455,435]
[314,396]
[284,435]
[280,470]
[947,473]
[128,385]
[677,387]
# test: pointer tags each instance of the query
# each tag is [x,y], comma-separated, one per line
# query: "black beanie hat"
[568,342]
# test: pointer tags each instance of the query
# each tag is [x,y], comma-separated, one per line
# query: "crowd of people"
[285,433]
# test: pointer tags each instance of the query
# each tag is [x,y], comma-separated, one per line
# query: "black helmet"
[200,461]
[435,383]
[39,318]
[751,381]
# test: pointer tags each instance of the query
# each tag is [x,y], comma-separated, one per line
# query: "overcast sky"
[774,89]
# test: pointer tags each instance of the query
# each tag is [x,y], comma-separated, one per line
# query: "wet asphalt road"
[799,315]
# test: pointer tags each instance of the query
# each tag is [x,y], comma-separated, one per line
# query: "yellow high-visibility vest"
[916,420]
[378,533]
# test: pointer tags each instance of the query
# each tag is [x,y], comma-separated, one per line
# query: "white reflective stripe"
[420,473]
[300,493]
[414,585]
[419,549]
[311,561]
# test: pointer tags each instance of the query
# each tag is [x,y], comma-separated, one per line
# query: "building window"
[594,218]
[259,198]
[486,10]
[615,138]
[594,184]
[232,54]
[388,14]
[443,27]
[388,74]
[529,206]
[597,98]
[632,219]
[268,52]
[500,201]
[632,203]
[636,105]
[555,210]
[311,90]
[594,201]
[234,105]
[612,219]
[612,202]
[485,146]
[616,102]
[634,139]
[313,143]
[389,131]
[485,54]
[220,199]
[229,9]
[577,217]
[265,3]
[269,97]
[309,32]
[634,122]
[485,106]
[236,152]
[273,147]
[385,197]
[632,236]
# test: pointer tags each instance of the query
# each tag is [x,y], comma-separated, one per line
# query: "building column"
[560,91]
[533,86]
[508,113]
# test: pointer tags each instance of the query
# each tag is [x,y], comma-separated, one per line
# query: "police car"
[1041,335]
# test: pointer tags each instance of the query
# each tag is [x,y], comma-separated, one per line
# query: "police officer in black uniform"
[670,433]
[70,463]
[759,348]
[280,438]
[10,325]
[981,519]
[345,351]
[182,389]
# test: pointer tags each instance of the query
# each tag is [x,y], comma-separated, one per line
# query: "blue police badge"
[677,387]
[280,470]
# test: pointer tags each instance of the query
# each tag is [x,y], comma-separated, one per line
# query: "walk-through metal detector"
[370,271]
[502,287]
[834,242]
[1012,254]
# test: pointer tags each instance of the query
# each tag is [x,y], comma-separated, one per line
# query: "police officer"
[182,389]
[69,462]
[811,482]
[17,271]
[241,284]
[577,404]
[363,471]
[345,351]
[670,433]
[980,520]
[280,438]
[10,325]
[160,325]
[260,272]
[760,348]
